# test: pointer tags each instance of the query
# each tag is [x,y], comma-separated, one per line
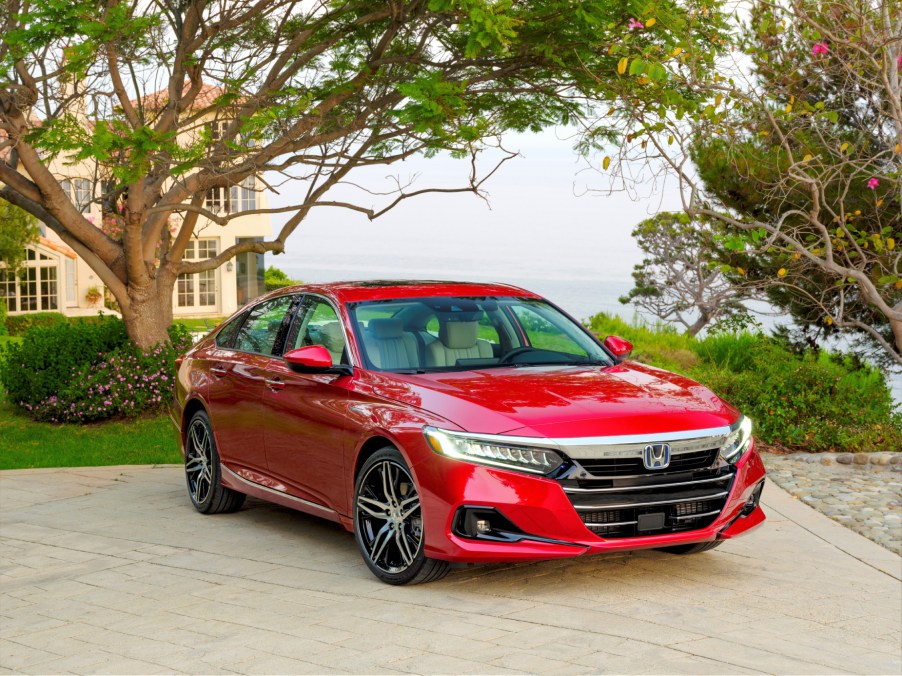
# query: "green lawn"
[5,340]
[198,324]
[26,444]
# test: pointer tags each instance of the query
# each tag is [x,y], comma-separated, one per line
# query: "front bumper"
[549,525]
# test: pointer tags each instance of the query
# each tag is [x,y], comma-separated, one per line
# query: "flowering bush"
[114,379]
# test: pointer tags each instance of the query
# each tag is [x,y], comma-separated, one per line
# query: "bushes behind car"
[814,401]
[83,371]
[18,325]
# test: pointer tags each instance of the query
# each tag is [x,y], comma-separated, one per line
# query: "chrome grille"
[619,506]
[632,466]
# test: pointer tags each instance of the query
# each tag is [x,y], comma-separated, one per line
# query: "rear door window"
[265,327]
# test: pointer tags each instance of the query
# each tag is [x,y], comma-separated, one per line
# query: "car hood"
[562,401]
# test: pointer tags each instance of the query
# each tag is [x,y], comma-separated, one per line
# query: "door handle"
[275,384]
[218,371]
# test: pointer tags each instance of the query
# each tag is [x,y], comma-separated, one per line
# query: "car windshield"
[418,335]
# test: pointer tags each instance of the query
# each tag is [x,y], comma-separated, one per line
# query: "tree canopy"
[166,101]
[18,229]
[794,142]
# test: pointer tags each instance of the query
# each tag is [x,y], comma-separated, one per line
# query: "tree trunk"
[147,313]
[896,326]
[700,323]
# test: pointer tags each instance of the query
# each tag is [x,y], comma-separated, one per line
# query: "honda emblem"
[656,456]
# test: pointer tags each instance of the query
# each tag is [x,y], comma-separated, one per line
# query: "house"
[54,278]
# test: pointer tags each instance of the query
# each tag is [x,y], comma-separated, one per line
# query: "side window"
[226,336]
[544,334]
[259,332]
[318,324]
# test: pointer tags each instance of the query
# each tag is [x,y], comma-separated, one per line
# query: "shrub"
[801,400]
[86,371]
[273,279]
[3,314]
[18,325]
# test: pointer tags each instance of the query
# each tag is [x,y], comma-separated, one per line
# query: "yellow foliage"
[622,64]
[651,22]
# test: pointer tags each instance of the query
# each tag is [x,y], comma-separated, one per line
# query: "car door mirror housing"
[314,359]
[619,347]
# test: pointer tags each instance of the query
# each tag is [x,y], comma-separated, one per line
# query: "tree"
[167,101]
[273,279]
[795,144]
[683,276]
[18,229]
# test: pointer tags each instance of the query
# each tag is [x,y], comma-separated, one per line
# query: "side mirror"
[618,346]
[314,359]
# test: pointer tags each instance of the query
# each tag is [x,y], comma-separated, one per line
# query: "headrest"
[459,335]
[332,336]
[386,328]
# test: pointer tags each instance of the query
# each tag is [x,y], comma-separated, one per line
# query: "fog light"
[753,500]
[483,526]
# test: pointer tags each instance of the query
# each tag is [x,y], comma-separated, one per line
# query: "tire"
[388,524]
[203,475]
[697,548]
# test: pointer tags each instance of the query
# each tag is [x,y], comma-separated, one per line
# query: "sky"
[550,225]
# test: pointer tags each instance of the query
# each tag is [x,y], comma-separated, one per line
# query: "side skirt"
[232,480]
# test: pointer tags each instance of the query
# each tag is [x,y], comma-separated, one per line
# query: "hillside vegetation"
[801,401]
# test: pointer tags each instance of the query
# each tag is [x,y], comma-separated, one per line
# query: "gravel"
[862,491]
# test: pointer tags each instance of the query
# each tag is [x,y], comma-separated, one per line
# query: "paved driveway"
[111,570]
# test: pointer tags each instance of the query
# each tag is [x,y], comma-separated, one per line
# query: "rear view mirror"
[314,359]
[619,347]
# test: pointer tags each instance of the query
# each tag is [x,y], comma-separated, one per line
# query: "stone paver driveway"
[110,570]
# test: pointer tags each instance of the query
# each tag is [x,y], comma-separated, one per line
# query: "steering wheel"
[508,356]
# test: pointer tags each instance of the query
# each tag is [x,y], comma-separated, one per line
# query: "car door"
[235,393]
[306,427]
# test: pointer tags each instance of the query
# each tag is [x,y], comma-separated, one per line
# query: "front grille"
[644,504]
[632,466]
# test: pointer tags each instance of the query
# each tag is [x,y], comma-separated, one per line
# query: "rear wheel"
[202,470]
[388,522]
[692,549]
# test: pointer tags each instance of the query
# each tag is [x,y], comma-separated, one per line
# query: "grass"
[199,324]
[6,340]
[26,444]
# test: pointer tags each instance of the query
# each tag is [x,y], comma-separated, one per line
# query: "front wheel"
[202,471]
[388,523]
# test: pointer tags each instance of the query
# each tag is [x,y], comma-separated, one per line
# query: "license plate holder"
[653,521]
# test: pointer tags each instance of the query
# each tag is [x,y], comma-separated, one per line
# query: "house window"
[218,200]
[71,287]
[198,290]
[79,191]
[34,287]
[244,195]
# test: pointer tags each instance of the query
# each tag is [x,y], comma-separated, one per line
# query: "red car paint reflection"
[452,422]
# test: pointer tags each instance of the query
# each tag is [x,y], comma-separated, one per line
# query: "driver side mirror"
[314,359]
[619,347]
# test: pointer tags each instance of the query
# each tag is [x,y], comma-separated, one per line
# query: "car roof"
[356,291]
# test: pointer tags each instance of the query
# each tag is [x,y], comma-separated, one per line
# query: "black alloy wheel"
[202,471]
[388,522]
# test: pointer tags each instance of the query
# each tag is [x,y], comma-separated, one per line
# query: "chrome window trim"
[615,446]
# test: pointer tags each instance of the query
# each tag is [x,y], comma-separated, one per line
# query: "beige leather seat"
[333,340]
[389,346]
[457,340]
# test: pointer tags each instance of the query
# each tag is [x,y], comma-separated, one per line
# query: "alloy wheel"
[388,517]
[199,461]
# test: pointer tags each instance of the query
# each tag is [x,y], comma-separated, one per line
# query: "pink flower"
[635,24]
[820,49]
[873,183]
[899,62]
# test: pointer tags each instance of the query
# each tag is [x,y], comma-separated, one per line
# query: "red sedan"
[453,422]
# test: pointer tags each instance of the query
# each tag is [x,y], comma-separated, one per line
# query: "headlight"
[484,452]
[738,441]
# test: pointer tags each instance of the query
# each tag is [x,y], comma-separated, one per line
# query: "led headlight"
[483,451]
[738,441]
